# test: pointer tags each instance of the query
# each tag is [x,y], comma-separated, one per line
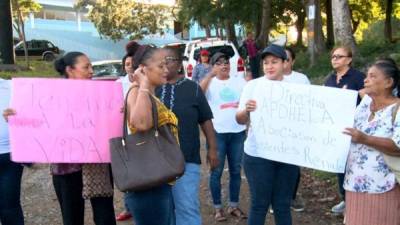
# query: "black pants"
[297,183]
[68,188]
[255,67]
[10,190]
[340,177]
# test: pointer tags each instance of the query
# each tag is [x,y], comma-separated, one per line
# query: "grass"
[37,68]
[324,175]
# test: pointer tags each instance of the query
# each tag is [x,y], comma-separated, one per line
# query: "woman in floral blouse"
[372,194]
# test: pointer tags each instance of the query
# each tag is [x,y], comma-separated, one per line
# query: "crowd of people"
[220,106]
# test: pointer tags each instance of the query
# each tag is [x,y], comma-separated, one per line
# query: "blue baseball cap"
[275,50]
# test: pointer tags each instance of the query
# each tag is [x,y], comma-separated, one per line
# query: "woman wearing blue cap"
[270,182]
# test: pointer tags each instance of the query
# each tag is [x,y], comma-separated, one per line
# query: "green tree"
[316,44]
[21,9]
[116,19]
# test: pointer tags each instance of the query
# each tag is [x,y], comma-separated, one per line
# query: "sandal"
[220,215]
[236,212]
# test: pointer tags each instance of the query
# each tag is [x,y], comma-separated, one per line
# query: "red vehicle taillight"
[189,70]
[240,65]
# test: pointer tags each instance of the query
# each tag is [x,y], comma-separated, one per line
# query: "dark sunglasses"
[223,61]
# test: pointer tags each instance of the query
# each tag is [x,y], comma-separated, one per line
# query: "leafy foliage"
[25,7]
[116,19]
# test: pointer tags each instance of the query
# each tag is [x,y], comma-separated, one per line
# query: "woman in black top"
[344,76]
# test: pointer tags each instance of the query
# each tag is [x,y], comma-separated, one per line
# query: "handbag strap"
[153,110]
[395,110]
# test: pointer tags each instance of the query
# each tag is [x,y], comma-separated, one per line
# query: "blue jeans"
[152,207]
[270,183]
[230,146]
[10,190]
[186,196]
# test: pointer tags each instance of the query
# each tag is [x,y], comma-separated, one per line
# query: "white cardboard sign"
[303,124]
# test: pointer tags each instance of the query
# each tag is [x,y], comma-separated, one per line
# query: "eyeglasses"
[220,62]
[336,57]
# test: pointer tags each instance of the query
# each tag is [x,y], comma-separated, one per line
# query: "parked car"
[193,49]
[40,49]
[107,70]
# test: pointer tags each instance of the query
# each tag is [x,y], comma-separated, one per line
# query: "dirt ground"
[41,207]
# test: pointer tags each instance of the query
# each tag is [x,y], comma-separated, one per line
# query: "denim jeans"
[270,183]
[296,187]
[152,207]
[230,146]
[10,190]
[68,189]
[186,196]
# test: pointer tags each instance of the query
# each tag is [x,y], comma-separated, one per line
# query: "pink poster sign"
[64,121]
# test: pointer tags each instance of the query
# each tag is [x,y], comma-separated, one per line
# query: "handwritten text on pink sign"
[64,121]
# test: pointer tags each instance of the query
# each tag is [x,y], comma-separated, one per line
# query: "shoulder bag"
[393,162]
[144,160]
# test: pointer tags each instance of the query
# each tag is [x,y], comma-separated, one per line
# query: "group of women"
[372,193]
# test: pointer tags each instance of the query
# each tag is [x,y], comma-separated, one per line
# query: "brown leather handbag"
[144,160]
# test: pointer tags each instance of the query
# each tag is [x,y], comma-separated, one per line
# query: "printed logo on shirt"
[229,97]
[229,105]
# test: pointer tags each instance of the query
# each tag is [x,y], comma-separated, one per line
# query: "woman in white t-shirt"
[223,94]
[270,182]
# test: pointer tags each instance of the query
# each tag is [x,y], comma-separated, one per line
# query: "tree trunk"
[6,35]
[256,18]
[266,23]
[330,38]
[388,21]
[316,44]
[257,27]
[221,33]
[230,32]
[300,23]
[21,29]
[342,24]
[208,31]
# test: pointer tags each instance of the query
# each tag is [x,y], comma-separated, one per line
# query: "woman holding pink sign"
[73,183]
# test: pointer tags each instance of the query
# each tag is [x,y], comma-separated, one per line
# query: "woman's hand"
[8,112]
[356,135]
[140,77]
[251,106]
[212,158]
[214,71]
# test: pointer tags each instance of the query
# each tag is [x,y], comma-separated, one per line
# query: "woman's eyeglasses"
[336,57]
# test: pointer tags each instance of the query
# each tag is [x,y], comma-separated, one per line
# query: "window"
[49,45]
